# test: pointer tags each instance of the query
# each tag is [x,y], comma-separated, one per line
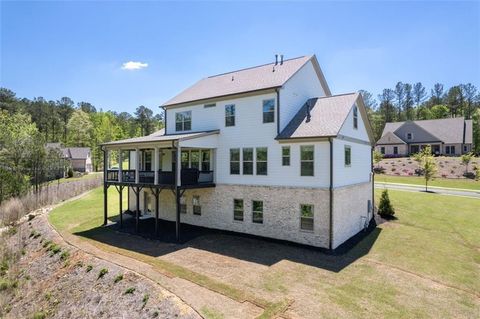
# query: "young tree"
[385,208]
[428,164]
[79,129]
[466,159]
[377,157]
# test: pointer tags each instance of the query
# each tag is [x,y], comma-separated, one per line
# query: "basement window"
[238,209]
[257,211]
[306,217]
[197,209]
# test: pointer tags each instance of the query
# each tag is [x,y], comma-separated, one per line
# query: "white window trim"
[345,155]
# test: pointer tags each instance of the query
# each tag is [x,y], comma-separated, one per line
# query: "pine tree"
[385,208]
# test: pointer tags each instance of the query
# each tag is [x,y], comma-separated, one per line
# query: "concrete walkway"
[431,189]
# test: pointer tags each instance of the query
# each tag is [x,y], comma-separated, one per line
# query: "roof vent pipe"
[276,59]
[281,59]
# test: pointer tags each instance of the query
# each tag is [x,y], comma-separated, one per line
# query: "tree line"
[408,101]
[27,125]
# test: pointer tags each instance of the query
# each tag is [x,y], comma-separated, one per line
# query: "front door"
[414,149]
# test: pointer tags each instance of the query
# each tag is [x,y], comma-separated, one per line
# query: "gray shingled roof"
[241,81]
[160,136]
[78,152]
[390,138]
[327,115]
[449,130]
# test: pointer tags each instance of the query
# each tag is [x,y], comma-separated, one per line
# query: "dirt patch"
[60,281]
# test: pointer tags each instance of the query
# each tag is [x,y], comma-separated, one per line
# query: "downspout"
[164,118]
[373,184]
[330,241]
[278,111]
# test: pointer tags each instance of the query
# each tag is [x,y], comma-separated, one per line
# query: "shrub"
[393,169]
[30,217]
[39,315]
[89,268]
[118,278]
[64,255]
[419,172]
[130,291]
[102,273]
[70,173]
[379,170]
[385,208]
[46,243]
[145,300]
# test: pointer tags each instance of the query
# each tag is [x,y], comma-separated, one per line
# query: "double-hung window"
[197,209]
[247,161]
[183,121]
[206,160]
[306,217]
[348,155]
[269,111]
[238,209]
[185,159]
[234,161]
[262,160]
[285,155]
[230,115]
[355,117]
[306,160]
[195,159]
[257,211]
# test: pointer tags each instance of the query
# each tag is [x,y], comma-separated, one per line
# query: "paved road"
[437,190]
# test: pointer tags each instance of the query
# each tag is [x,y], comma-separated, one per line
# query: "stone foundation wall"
[350,211]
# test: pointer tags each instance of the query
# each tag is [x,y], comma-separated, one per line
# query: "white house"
[265,150]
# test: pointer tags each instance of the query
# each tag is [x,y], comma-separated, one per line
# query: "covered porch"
[156,163]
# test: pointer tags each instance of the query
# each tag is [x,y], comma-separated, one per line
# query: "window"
[269,111]
[197,209]
[248,161]
[147,161]
[452,149]
[195,159]
[306,160]
[285,155]
[382,150]
[183,121]
[230,115]
[209,105]
[257,211]
[183,205]
[234,161]
[447,149]
[465,148]
[409,136]
[262,160]
[355,117]
[348,155]
[395,150]
[205,160]
[306,217]
[185,159]
[238,209]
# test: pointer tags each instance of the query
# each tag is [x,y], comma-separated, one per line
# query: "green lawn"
[73,179]
[424,264]
[441,182]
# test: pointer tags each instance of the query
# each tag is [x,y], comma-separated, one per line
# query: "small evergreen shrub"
[89,268]
[118,278]
[130,291]
[102,272]
[385,208]
[70,173]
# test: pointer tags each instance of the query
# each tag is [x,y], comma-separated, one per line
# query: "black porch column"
[105,204]
[177,224]
[157,195]
[137,214]
[121,203]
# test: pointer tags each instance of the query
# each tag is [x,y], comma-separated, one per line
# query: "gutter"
[164,119]
[330,240]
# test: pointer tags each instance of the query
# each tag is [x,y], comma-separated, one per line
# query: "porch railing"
[189,176]
[128,176]
[112,175]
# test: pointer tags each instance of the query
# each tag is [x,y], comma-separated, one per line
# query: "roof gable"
[263,77]
[390,138]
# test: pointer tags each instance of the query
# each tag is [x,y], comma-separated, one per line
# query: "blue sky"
[77,49]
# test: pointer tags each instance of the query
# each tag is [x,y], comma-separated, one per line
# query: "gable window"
[183,121]
[230,115]
[257,211]
[197,209]
[234,161]
[205,160]
[183,205]
[355,117]
[395,150]
[306,160]
[285,155]
[238,209]
[409,136]
[306,217]
[248,161]
[382,150]
[262,160]
[185,159]
[209,105]
[348,155]
[269,111]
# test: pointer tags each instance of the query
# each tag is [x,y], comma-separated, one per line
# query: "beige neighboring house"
[450,137]
[80,158]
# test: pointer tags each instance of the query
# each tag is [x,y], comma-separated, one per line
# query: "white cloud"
[132,65]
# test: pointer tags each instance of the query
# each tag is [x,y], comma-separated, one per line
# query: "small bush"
[46,243]
[379,170]
[64,256]
[118,278]
[419,172]
[130,291]
[70,173]
[470,175]
[89,268]
[3,267]
[145,300]
[385,208]
[39,315]
[102,273]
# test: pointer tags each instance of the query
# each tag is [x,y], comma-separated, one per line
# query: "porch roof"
[160,136]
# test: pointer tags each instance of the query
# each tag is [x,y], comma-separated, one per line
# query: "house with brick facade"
[266,151]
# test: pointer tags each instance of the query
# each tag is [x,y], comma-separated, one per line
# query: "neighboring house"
[266,150]
[451,137]
[79,158]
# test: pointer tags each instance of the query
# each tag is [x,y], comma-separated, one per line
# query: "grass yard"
[425,264]
[440,182]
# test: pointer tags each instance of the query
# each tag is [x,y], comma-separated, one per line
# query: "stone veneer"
[281,210]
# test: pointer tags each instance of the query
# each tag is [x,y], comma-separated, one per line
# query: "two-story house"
[266,151]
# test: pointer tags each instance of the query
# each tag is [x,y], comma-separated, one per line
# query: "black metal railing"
[112,175]
[189,176]
[128,176]
[146,177]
